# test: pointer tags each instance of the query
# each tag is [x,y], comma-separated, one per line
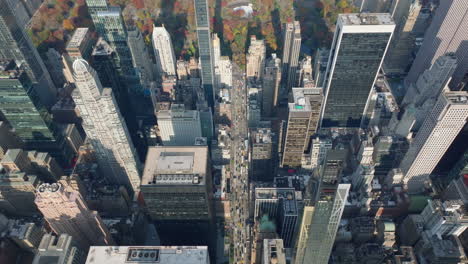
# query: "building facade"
[351,76]
[291,49]
[116,155]
[66,212]
[447,33]
[271,85]
[324,219]
[176,183]
[256,58]
[437,132]
[16,45]
[205,49]
[302,123]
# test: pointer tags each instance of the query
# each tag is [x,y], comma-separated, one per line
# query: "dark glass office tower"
[358,48]
[22,108]
[205,48]
[16,45]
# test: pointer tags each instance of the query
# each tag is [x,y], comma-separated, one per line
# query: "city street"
[240,226]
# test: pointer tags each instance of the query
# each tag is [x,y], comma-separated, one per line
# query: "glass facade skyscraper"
[16,45]
[321,220]
[205,48]
[358,48]
[20,105]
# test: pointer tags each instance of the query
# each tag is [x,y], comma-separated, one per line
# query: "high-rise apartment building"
[66,212]
[320,223]
[291,49]
[205,48]
[447,33]
[22,108]
[62,249]
[405,13]
[105,128]
[148,254]
[439,129]
[256,58]
[163,51]
[176,183]
[16,45]
[302,123]
[271,85]
[350,75]
[179,127]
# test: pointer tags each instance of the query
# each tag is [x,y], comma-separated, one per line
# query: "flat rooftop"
[148,254]
[366,19]
[167,165]
[300,104]
[77,38]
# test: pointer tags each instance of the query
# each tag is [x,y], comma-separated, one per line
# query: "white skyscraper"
[163,51]
[448,32]
[179,127]
[256,58]
[105,127]
[437,133]
[291,49]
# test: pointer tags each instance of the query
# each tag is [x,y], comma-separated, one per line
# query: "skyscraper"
[110,25]
[437,132]
[205,49]
[256,58]
[179,127]
[316,241]
[163,51]
[177,183]
[357,52]
[405,14]
[105,128]
[302,123]
[447,33]
[16,45]
[21,106]
[271,83]
[140,57]
[291,48]
[66,212]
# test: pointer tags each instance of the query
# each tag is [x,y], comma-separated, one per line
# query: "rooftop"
[366,19]
[148,254]
[77,38]
[300,104]
[175,165]
[102,48]
[273,251]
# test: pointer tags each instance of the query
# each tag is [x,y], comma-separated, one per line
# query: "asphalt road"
[240,225]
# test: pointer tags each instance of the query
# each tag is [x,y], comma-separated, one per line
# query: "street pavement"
[241,224]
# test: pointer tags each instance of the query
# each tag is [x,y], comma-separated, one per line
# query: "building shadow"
[175,24]
[219,29]
[276,21]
